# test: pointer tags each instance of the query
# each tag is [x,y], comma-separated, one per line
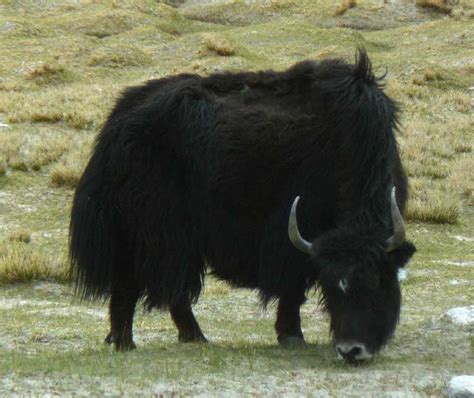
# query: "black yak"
[194,173]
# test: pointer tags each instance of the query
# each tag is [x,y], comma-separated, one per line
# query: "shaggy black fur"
[193,171]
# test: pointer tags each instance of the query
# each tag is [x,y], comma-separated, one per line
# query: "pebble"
[461,387]
[461,315]
[402,274]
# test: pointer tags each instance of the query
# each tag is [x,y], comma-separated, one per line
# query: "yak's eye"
[343,285]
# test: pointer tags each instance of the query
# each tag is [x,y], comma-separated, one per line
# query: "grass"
[21,264]
[219,46]
[62,66]
[442,6]
[22,235]
[45,74]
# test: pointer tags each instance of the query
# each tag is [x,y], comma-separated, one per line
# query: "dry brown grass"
[65,176]
[73,119]
[79,106]
[462,102]
[19,264]
[218,45]
[68,171]
[345,6]
[432,201]
[22,235]
[47,73]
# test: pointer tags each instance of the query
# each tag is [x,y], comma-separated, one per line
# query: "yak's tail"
[94,249]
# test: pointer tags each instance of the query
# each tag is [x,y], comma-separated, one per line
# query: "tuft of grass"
[462,102]
[218,45]
[65,176]
[20,264]
[22,235]
[441,6]
[345,6]
[47,73]
[73,119]
[428,75]
[431,205]
[432,212]
[67,172]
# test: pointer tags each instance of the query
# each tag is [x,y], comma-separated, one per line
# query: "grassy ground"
[62,63]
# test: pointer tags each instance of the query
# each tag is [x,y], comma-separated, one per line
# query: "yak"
[277,181]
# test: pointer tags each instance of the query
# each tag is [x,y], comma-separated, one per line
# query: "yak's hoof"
[109,339]
[186,338]
[125,347]
[291,341]
[120,345]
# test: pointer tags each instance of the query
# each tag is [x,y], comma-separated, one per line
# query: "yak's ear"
[402,254]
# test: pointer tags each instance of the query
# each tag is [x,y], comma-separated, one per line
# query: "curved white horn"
[294,233]
[398,236]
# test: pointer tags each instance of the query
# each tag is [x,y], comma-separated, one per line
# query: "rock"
[402,274]
[461,387]
[461,315]
[4,126]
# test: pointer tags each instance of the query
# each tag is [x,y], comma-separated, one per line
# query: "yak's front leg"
[188,327]
[288,323]
[122,310]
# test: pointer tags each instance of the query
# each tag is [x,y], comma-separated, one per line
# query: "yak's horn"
[398,236]
[294,233]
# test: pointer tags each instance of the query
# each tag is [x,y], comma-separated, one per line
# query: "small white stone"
[402,274]
[4,126]
[464,238]
[461,387]
[462,315]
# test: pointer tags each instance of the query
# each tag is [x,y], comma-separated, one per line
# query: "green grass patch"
[118,56]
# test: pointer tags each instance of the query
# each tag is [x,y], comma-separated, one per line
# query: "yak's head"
[358,274]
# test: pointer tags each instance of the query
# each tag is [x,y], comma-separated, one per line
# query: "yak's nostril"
[352,352]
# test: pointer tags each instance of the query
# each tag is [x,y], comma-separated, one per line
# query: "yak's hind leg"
[122,310]
[188,327]
[288,323]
